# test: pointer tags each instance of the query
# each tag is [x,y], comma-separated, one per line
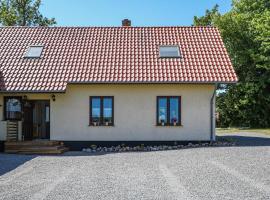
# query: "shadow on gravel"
[246,140]
[9,162]
[240,141]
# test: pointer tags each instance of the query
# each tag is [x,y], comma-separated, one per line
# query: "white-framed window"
[169,51]
[34,51]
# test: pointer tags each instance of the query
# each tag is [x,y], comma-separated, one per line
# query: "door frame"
[32,101]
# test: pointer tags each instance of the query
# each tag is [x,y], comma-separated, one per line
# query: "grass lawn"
[265,131]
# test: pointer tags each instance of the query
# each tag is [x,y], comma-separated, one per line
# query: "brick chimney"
[126,22]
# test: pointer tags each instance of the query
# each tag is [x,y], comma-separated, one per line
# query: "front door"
[41,120]
[36,122]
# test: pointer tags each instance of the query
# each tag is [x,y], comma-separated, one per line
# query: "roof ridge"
[124,27]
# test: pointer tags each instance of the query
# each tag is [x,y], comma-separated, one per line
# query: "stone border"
[124,148]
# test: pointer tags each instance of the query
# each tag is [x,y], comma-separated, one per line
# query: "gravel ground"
[240,172]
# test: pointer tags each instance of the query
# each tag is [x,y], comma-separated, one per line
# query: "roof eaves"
[32,91]
[152,82]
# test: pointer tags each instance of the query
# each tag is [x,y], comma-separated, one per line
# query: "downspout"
[212,115]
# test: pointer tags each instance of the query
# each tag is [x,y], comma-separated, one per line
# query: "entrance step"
[33,143]
[35,147]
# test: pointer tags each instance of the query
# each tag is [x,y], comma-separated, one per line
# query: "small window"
[47,113]
[34,52]
[169,111]
[169,52]
[101,111]
[12,108]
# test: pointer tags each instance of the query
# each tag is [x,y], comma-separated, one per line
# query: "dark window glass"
[168,112]
[174,110]
[162,110]
[13,108]
[107,110]
[96,111]
[101,112]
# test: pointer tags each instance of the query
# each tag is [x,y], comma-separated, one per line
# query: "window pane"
[174,110]
[162,110]
[13,109]
[96,103]
[34,51]
[169,51]
[47,114]
[107,110]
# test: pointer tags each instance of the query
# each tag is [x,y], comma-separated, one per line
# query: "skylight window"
[34,52]
[169,51]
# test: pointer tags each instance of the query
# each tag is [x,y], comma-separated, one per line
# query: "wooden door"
[41,120]
[27,123]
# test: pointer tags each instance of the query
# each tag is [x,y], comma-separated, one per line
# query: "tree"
[245,30]
[23,13]
[207,20]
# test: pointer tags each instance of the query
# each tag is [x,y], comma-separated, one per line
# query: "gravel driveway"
[240,172]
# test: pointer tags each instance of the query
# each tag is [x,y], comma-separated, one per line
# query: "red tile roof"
[110,55]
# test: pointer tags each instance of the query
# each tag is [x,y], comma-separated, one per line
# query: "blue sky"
[141,12]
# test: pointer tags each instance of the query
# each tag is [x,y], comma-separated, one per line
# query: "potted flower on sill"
[106,123]
[162,122]
[174,121]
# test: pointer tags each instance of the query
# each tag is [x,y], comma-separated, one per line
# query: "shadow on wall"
[9,162]
[246,140]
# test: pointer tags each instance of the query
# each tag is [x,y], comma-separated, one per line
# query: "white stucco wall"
[134,113]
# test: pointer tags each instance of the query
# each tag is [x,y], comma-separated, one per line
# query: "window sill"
[90,125]
[178,125]
[162,57]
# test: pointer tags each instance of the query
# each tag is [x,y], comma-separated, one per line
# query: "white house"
[102,84]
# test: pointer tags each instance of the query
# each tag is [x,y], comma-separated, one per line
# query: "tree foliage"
[245,30]
[23,13]
[207,20]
